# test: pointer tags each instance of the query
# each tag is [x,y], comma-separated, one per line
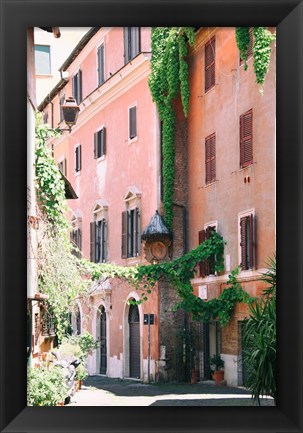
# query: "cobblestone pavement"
[102,391]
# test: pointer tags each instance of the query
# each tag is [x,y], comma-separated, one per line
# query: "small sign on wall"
[202,292]
[149,319]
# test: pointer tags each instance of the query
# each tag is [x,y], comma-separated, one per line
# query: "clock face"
[158,250]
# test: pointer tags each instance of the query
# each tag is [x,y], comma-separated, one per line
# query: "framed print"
[16,18]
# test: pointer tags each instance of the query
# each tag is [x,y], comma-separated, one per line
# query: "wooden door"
[134,342]
[103,342]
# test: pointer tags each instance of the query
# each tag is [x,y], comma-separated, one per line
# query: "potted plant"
[218,373]
[81,375]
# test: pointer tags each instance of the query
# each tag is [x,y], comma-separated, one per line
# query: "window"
[100,61]
[61,102]
[45,117]
[42,60]
[207,267]
[132,116]
[131,233]
[100,143]
[98,241]
[131,43]
[76,240]
[77,86]
[62,166]
[246,139]
[250,45]
[210,158]
[47,323]
[76,235]
[247,241]
[78,158]
[210,54]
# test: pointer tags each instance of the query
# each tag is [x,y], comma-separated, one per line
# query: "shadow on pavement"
[126,388]
[211,402]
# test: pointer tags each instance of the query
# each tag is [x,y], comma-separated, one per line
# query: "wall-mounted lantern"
[70,111]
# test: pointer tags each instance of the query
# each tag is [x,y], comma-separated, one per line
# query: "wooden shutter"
[93,242]
[213,157]
[210,158]
[126,31]
[207,160]
[103,141]
[202,264]
[243,242]
[246,139]
[137,232]
[250,45]
[124,234]
[132,122]
[210,67]
[135,41]
[247,243]
[100,54]
[96,145]
[76,152]
[251,241]
[74,87]
[105,241]
[80,85]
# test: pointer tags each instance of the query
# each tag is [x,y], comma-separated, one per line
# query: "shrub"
[46,387]
[81,372]
[260,340]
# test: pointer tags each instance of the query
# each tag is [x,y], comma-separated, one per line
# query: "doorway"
[103,341]
[134,342]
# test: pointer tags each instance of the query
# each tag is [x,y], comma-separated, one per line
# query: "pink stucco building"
[225,179]
[112,160]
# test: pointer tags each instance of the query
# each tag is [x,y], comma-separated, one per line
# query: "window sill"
[211,183]
[206,92]
[247,166]
[133,140]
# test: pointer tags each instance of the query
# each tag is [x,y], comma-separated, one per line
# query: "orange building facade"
[225,179]
[231,176]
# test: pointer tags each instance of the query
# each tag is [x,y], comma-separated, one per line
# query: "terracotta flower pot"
[218,376]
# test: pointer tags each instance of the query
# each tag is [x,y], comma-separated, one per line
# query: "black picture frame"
[287,16]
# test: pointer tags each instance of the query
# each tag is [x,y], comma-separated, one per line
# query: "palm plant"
[260,339]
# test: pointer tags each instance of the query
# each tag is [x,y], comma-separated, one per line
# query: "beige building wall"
[59,50]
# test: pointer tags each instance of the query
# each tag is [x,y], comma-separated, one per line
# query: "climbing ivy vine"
[261,50]
[169,76]
[50,186]
[179,273]
[59,271]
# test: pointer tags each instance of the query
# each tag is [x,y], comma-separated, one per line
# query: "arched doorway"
[134,341]
[103,341]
